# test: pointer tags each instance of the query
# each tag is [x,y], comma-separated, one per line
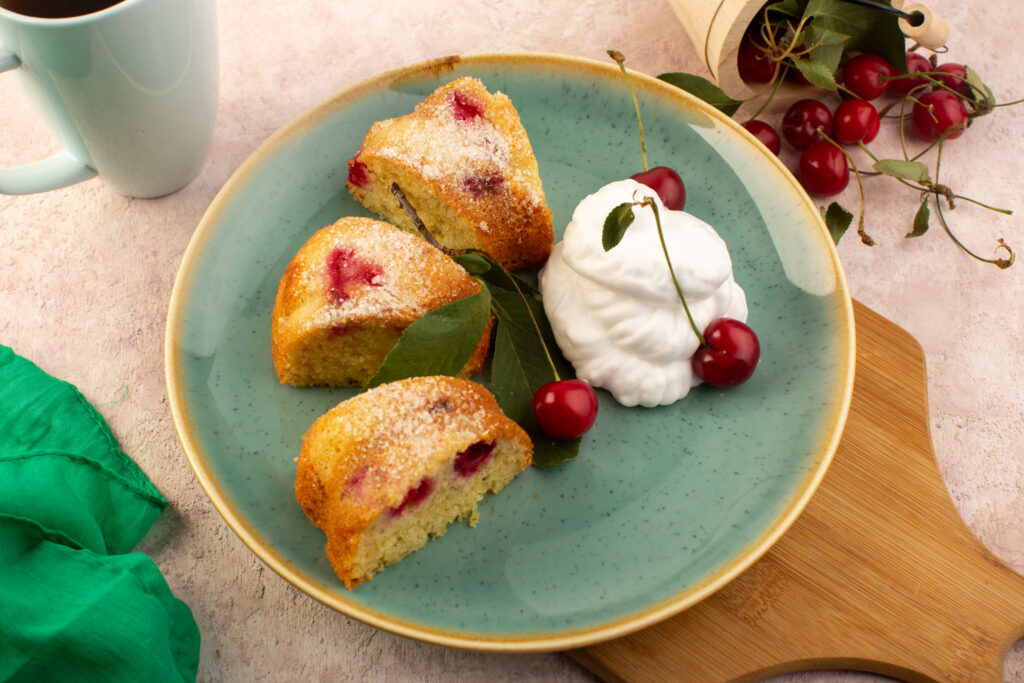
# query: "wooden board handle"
[878,574]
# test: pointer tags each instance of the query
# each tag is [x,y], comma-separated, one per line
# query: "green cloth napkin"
[75,603]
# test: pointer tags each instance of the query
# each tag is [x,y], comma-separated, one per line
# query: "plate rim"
[540,642]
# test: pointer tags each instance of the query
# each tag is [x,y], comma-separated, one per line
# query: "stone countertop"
[86,275]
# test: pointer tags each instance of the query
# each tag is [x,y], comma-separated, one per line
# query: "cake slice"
[464,161]
[386,470]
[350,292]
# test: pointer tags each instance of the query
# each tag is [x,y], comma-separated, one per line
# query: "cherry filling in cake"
[464,107]
[414,496]
[345,272]
[358,173]
[469,461]
[481,185]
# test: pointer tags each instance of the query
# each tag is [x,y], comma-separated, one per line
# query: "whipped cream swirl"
[616,314]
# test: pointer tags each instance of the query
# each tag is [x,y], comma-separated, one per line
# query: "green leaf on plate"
[920,220]
[439,343]
[837,220]
[520,367]
[615,224]
[703,89]
[908,170]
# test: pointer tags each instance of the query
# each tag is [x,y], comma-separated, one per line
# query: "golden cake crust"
[362,276]
[359,460]
[465,162]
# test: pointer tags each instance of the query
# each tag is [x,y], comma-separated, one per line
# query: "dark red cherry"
[954,77]
[855,121]
[915,64]
[939,112]
[469,461]
[802,120]
[753,62]
[565,409]
[765,134]
[346,271]
[867,76]
[823,169]
[729,355]
[666,183]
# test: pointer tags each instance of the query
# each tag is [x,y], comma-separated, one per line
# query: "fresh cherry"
[666,183]
[729,355]
[939,112]
[823,169]
[753,62]
[855,121]
[865,76]
[802,121]
[916,63]
[765,134]
[954,77]
[565,409]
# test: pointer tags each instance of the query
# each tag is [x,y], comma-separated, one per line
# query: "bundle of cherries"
[938,95]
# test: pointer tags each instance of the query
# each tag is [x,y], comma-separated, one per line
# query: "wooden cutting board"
[878,574]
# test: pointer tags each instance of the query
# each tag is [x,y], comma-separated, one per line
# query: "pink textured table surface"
[85,277]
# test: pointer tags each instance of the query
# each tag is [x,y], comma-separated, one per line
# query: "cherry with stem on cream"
[729,349]
[564,408]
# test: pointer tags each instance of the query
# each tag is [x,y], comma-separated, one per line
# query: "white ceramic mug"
[130,90]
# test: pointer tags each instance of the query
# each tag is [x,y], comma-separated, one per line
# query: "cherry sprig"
[728,349]
[938,101]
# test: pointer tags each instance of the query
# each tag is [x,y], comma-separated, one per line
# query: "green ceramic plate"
[662,507]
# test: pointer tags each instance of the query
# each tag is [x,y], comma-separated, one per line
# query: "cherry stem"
[403,201]
[648,201]
[861,232]
[621,61]
[1002,263]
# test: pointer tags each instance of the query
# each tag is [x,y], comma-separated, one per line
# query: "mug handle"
[60,170]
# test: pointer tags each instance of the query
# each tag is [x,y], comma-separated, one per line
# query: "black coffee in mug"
[56,9]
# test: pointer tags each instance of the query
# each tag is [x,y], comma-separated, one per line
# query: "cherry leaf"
[908,170]
[920,220]
[981,96]
[817,73]
[703,89]
[438,343]
[474,264]
[828,46]
[790,8]
[615,224]
[837,220]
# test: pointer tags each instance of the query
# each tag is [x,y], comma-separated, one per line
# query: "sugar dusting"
[388,287]
[400,423]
